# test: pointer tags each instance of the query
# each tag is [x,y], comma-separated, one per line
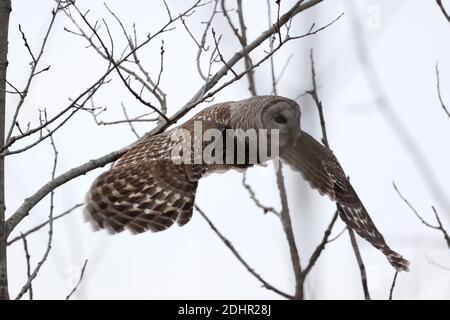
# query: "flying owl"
[153,185]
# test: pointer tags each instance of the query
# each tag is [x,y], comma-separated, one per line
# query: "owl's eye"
[280,119]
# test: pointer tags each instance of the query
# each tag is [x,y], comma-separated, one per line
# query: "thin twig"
[25,42]
[391,291]
[439,227]
[44,124]
[43,224]
[288,230]
[325,141]
[434,263]
[79,281]
[32,74]
[109,55]
[317,101]
[155,89]
[239,257]
[130,121]
[36,270]
[317,252]
[444,12]
[362,268]
[338,235]
[216,43]
[256,201]
[201,46]
[242,38]
[27,257]
[438,86]
[271,43]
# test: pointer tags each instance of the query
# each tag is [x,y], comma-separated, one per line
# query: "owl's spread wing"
[322,170]
[146,190]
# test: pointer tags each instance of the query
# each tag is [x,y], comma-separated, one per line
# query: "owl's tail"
[395,259]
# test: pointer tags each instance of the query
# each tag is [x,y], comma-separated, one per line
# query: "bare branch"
[44,124]
[413,209]
[362,268]
[201,46]
[317,101]
[154,87]
[25,42]
[317,252]
[438,86]
[34,66]
[391,291]
[147,83]
[319,106]
[110,57]
[27,257]
[36,270]
[216,42]
[79,281]
[288,230]
[444,12]
[439,227]
[242,38]
[43,224]
[239,257]
[130,121]
[254,198]
[73,106]
[434,263]
[338,235]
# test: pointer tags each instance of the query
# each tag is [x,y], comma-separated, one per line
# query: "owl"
[154,184]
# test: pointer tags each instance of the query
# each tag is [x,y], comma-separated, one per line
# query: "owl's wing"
[146,190]
[322,170]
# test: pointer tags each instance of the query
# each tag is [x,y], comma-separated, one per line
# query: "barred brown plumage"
[148,190]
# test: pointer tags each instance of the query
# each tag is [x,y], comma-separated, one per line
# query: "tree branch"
[254,198]
[5,10]
[239,257]
[444,12]
[27,258]
[288,230]
[439,227]
[43,224]
[79,281]
[391,291]
[362,268]
[438,86]
[319,105]
[36,270]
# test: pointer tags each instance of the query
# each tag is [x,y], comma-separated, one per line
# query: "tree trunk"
[5,9]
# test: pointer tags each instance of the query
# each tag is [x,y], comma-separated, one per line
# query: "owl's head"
[284,115]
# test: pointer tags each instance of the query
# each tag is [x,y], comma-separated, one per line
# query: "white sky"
[404,39]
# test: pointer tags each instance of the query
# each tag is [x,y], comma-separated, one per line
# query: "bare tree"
[217,69]
[127,66]
[5,9]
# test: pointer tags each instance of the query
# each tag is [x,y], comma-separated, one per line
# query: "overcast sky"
[403,40]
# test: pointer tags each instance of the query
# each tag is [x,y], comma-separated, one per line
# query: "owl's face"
[284,116]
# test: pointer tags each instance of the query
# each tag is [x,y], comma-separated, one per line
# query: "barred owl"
[149,188]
